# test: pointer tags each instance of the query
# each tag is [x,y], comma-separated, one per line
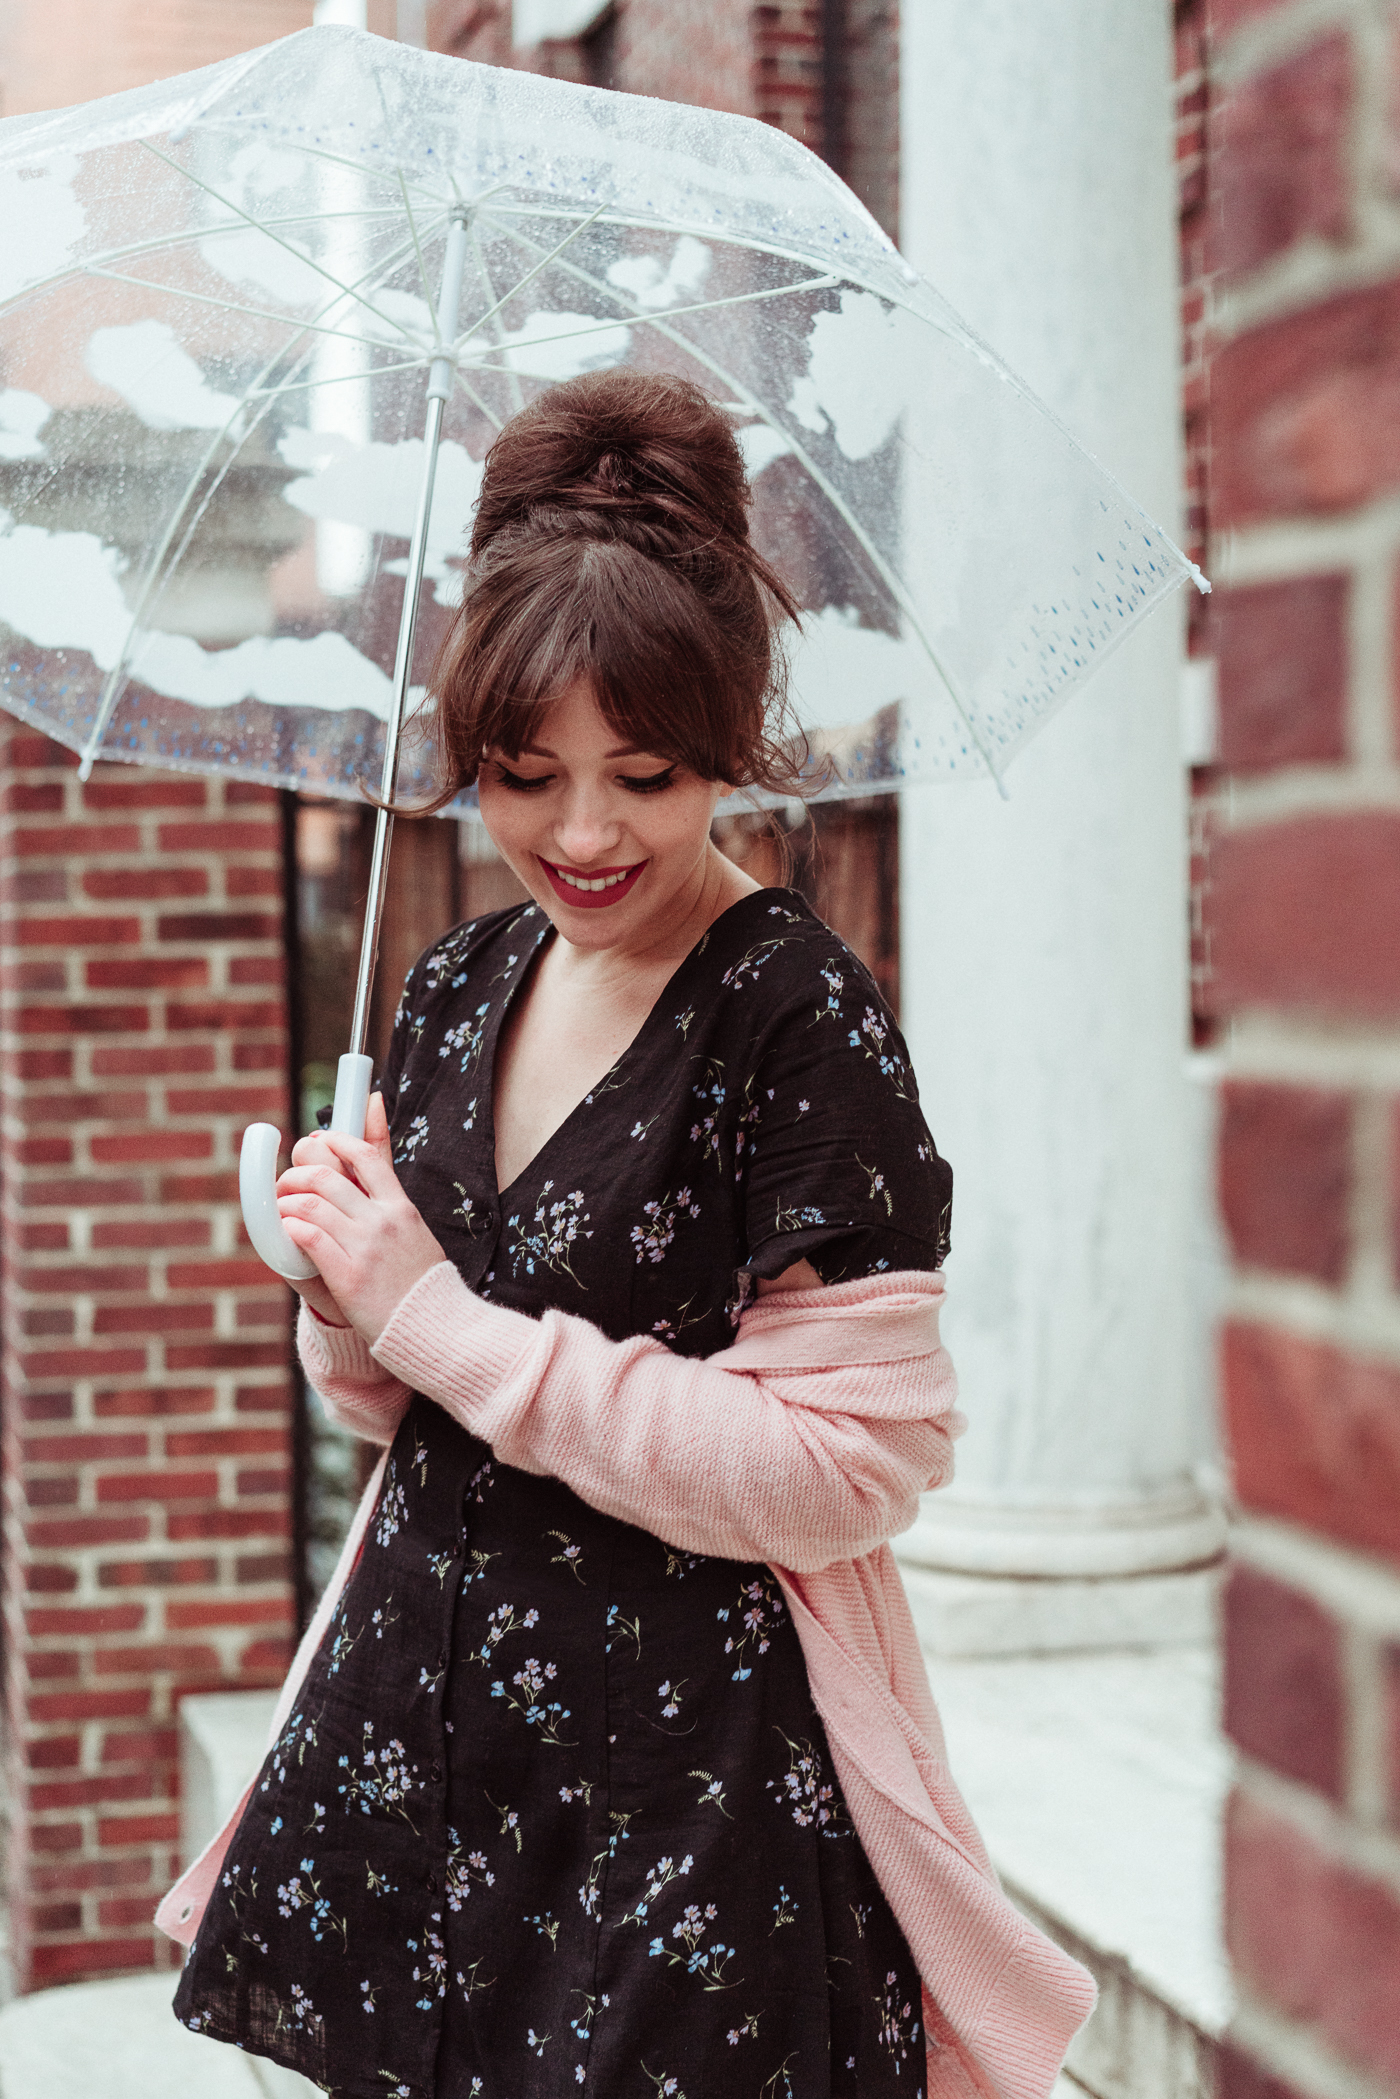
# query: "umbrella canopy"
[221,298]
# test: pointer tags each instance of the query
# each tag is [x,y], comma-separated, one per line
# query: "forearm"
[357,1393]
[717,1461]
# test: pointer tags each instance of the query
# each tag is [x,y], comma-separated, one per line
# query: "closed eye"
[650,783]
[519,783]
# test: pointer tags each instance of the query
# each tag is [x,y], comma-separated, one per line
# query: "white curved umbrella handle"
[257,1171]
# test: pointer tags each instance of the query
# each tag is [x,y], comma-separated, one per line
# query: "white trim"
[548,21]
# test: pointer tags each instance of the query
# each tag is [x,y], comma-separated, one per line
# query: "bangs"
[669,678]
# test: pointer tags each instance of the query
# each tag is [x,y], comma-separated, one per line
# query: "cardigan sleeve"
[355,1391]
[802,1464]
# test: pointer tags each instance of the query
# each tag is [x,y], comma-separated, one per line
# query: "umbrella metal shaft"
[440,380]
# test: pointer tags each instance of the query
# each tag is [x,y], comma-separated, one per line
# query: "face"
[613,842]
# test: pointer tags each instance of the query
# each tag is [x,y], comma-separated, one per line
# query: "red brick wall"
[147,1398]
[1299,987]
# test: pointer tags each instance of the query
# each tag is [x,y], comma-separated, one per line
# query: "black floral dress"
[555,1813]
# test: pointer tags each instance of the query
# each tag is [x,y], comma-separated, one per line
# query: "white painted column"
[1044,940]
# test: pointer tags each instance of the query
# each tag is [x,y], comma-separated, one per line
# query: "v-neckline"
[550,932]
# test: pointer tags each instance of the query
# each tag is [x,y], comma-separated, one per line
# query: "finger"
[312,1150]
[371,1165]
[377,1123]
[327,1183]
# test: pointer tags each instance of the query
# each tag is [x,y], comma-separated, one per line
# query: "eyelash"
[654,783]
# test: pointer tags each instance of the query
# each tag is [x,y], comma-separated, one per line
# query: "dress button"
[435,1772]
[431,1884]
[442,1658]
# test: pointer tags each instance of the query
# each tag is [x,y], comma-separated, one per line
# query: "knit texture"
[806,1444]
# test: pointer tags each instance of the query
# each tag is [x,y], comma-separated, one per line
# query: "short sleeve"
[841,1169]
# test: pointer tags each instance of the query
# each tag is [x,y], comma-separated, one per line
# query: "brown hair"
[611,542]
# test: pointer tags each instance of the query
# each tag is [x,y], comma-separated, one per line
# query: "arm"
[357,1393]
[802,1465]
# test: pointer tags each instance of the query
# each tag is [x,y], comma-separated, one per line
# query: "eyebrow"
[629,750]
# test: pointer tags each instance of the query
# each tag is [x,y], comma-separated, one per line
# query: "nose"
[586,829]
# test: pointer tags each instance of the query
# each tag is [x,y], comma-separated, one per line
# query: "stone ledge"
[1099,1781]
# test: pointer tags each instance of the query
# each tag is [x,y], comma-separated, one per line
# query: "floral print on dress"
[554,1812]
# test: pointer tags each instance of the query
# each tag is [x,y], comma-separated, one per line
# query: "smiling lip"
[594,888]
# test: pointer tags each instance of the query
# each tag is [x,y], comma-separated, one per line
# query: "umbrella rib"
[475,398]
[887,575]
[422,266]
[256,313]
[319,268]
[516,395]
[303,386]
[644,320]
[116,676]
[515,289]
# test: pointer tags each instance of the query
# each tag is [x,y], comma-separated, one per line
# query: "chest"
[558,1042]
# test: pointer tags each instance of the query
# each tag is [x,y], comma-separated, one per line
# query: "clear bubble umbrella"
[259,325]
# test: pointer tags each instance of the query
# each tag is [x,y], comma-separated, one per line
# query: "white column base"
[989,1614]
[1173,1527]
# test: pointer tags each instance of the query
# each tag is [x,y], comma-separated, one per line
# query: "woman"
[556,1809]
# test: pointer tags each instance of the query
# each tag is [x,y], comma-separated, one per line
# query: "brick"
[225,1442]
[46,1406]
[73,841]
[88,1705]
[75,930]
[144,793]
[78,1531]
[58,1450]
[263,1567]
[77,1194]
[1304,410]
[1313,1937]
[52,1493]
[1314,1435]
[257,969]
[110,1789]
[156,1657]
[89,1959]
[83,1362]
[140,1745]
[156,1574]
[79,1276]
[250,794]
[1285,1700]
[82,1020]
[219,925]
[35,885]
[241,881]
[72,1624]
[227,1355]
[56,1916]
[240,1610]
[39,798]
[258,1056]
[148,973]
[40,1151]
[45,1325]
[267,1659]
[1228,15]
[53,1752]
[226,1100]
[157,1486]
[1281,146]
[1284,1166]
[50,1578]
[158,1400]
[1306,915]
[136,1147]
[1283,660]
[34,976]
[42,1238]
[42,1064]
[154,1060]
[226,1523]
[204,1188]
[267,1480]
[216,1014]
[144,884]
[151,1233]
[252,835]
[56,1837]
[86,1107]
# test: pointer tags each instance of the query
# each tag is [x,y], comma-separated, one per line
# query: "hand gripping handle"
[257,1171]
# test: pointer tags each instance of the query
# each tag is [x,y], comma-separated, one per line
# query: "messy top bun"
[611,541]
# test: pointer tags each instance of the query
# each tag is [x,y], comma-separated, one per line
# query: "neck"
[656,948]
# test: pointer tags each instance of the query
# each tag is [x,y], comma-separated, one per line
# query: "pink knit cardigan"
[805,1444]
